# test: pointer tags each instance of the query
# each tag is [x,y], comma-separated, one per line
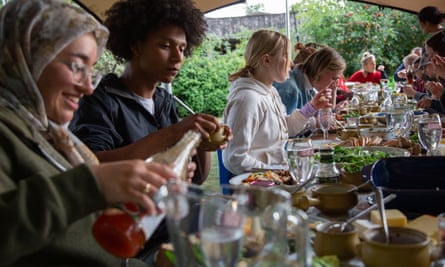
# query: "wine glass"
[325,121]
[300,158]
[221,224]
[429,130]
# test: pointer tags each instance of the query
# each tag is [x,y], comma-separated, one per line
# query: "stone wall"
[228,27]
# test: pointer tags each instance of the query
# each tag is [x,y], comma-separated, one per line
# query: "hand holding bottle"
[132,181]
[135,184]
[206,125]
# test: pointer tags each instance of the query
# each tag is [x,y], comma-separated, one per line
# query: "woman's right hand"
[203,123]
[322,99]
[409,90]
[132,181]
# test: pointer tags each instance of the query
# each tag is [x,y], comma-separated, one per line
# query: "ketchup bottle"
[123,231]
[118,231]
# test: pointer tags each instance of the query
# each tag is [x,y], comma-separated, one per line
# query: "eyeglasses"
[81,73]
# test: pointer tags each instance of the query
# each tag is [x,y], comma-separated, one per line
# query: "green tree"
[353,28]
[202,82]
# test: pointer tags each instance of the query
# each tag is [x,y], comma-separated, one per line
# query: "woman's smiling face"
[59,92]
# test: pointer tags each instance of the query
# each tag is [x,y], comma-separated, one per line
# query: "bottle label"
[323,180]
[150,223]
[147,223]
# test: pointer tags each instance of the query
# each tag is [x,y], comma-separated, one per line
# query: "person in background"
[129,116]
[430,19]
[51,185]
[368,73]
[418,85]
[434,48]
[305,79]
[400,72]
[303,51]
[408,62]
[439,64]
[254,110]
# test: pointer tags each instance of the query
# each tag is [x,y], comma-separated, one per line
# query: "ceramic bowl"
[330,240]
[406,247]
[383,132]
[354,178]
[331,198]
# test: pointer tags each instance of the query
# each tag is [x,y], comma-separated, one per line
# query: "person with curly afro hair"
[128,115]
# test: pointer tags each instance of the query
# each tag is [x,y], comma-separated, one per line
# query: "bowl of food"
[406,247]
[346,133]
[330,239]
[368,119]
[383,132]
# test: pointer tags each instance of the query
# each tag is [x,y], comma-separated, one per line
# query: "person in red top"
[368,73]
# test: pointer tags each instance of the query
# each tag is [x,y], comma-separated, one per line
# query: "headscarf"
[32,34]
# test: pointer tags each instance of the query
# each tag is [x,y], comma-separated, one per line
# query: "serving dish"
[238,180]
[383,132]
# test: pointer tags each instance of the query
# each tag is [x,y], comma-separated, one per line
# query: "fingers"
[132,182]
[204,123]
[191,168]
[322,99]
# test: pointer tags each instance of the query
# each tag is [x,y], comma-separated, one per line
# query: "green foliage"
[203,80]
[107,63]
[353,28]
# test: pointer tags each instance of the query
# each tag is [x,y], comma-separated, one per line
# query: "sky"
[270,6]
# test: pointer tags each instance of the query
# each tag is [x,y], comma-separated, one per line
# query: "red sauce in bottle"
[119,233]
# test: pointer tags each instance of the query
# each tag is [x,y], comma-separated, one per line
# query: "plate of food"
[264,178]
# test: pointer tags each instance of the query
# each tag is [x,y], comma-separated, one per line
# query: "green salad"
[355,158]
[326,261]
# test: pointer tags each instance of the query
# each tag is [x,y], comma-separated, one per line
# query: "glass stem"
[325,134]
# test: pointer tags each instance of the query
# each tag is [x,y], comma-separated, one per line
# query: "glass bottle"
[178,156]
[409,75]
[327,172]
[123,230]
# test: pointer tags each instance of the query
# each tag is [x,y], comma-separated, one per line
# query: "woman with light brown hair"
[306,78]
[302,51]
[254,110]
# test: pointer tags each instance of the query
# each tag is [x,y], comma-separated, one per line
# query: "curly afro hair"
[132,21]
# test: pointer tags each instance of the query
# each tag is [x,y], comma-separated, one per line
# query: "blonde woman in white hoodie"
[254,110]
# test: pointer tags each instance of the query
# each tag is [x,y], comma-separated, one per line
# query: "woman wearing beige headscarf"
[51,185]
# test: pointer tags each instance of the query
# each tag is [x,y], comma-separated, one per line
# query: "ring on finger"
[147,188]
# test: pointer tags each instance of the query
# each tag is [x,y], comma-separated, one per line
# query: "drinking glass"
[429,130]
[325,121]
[440,247]
[205,227]
[221,224]
[399,121]
[300,158]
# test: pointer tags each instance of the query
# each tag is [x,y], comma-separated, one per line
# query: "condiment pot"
[407,247]
[330,240]
[331,198]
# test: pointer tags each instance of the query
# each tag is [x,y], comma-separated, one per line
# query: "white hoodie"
[259,125]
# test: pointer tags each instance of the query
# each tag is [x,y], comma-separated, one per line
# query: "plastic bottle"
[123,231]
